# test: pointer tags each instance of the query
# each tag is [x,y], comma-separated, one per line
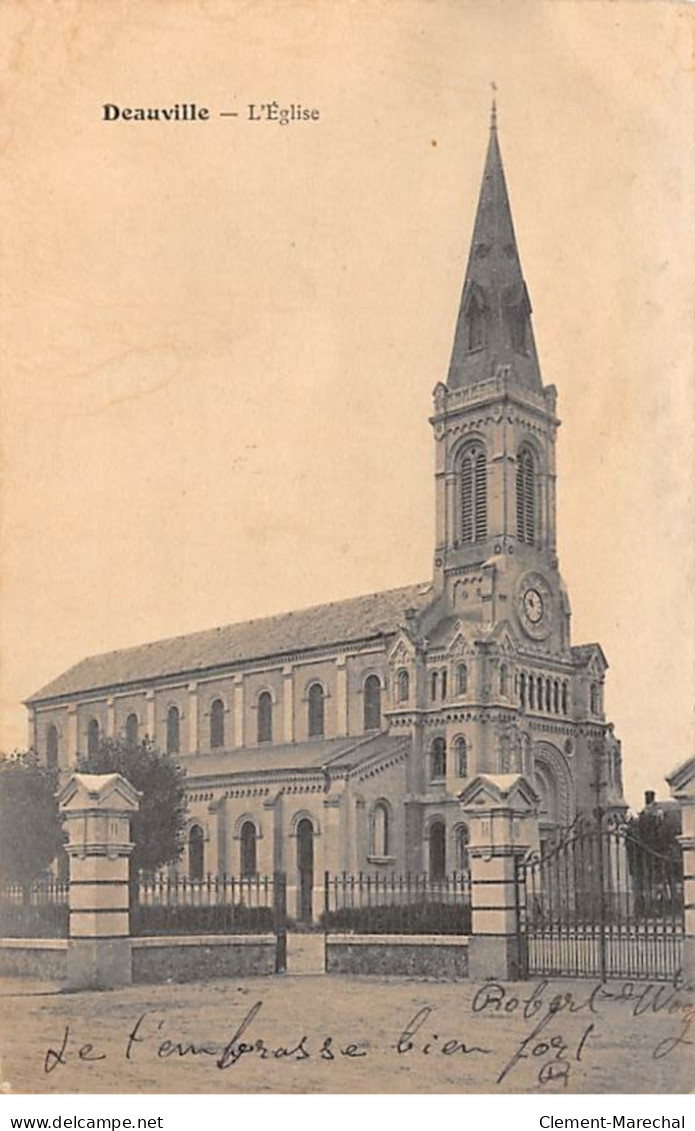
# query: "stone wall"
[45,959]
[196,958]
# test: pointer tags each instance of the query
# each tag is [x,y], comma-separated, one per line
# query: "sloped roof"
[315,754]
[357,618]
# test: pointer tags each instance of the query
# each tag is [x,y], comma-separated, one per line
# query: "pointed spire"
[494,324]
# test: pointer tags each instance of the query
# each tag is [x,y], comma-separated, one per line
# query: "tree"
[158,828]
[30,827]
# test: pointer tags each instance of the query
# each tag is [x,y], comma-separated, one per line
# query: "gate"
[600,903]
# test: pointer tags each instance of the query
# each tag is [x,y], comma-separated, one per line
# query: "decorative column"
[682,784]
[72,750]
[150,723]
[97,809]
[193,718]
[288,703]
[110,717]
[341,698]
[501,813]
[238,710]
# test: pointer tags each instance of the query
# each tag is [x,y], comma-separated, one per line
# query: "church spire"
[494,323]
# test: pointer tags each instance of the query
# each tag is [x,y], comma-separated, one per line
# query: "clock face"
[535,605]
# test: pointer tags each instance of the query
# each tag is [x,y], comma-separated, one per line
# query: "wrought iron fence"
[38,911]
[221,904]
[408,904]
[600,902]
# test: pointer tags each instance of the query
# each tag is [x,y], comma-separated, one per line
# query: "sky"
[220,339]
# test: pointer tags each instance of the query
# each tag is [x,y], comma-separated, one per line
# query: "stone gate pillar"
[97,809]
[501,813]
[682,785]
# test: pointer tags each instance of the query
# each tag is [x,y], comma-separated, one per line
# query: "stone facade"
[341,737]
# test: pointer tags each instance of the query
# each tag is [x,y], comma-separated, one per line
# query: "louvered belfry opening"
[473,495]
[526,497]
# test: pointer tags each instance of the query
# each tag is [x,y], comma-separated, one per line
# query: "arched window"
[93,733]
[380,830]
[444,682]
[434,691]
[438,759]
[265,717]
[461,754]
[52,747]
[539,693]
[316,711]
[476,324]
[531,692]
[216,723]
[595,699]
[173,731]
[196,851]
[522,689]
[247,849]
[372,703]
[437,839]
[548,695]
[403,686]
[461,849]
[564,698]
[504,680]
[132,729]
[461,679]
[556,697]
[526,496]
[473,508]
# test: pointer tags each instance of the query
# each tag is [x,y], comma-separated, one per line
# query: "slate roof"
[339,622]
[315,754]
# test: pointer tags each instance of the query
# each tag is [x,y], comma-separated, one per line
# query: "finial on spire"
[493,112]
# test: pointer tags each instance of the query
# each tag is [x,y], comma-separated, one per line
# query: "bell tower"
[494,424]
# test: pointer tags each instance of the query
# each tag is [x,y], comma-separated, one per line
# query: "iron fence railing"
[410,904]
[37,911]
[166,905]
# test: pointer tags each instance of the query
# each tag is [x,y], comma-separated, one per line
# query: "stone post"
[97,809]
[682,785]
[501,813]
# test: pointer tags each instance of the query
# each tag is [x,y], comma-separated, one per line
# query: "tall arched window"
[539,693]
[473,509]
[444,678]
[316,710]
[504,680]
[372,703]
[522,689]
[196,852]
[434,686]
[461,754]
[461,849]
[437,853]
[564,698]
[548,695]
[461,679]
[216,723]
[52,747]
[403,686]
[438,759]
[247,849]
[380,830]
[556,697]
[173,731]
[531,692]
[93,734]
[526,496]
[265,717]
[595,699]
[132,729]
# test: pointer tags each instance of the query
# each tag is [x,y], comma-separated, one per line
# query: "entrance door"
[305,867]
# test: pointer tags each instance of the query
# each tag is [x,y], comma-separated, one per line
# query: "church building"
[340,737]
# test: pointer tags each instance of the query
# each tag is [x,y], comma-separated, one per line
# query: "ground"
[307,1032]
